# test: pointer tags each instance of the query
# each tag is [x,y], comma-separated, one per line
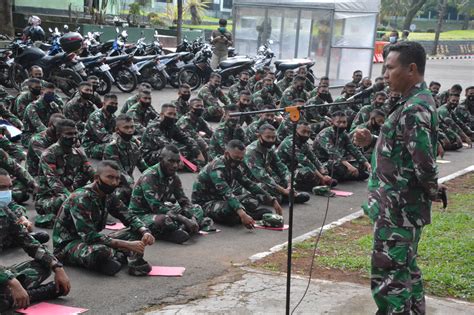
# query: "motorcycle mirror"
[56,30]
[270,42]
[50,30]
[117,30]
[66,27]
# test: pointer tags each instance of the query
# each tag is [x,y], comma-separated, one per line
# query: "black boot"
[110,266]
[44,292]
[301,197]
[178,236]
[40,236]
[259,212]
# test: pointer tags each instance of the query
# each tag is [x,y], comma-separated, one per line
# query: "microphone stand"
[295,115]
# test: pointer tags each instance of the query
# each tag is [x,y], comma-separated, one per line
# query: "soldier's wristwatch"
[57,265]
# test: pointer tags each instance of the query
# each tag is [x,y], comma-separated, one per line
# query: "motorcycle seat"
[52,59]
[45,46]
[89,58]
[143,58]
[116,58]
[234,62]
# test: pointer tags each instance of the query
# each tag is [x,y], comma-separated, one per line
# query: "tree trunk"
[415,6]
[465,24]
[439,26]
[179,22]
[6,27]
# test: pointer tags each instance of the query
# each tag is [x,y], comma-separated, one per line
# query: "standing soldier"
[182,104]
[142,112]
[100,127]
[211,93]
[241,85]
[80,107]
[221,39]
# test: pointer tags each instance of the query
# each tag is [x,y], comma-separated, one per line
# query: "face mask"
[111,109]
[168,122]
[95,87]
[233,163]
[198,111]
[434,94]
[339,130]
[302,139]
[393,39]
[470,98]
[67,142]
[232,123]
[105,188]
[394,100]
[146,104]
[5,197]
[300,88]
[125,136]
[243,83]
[267,144]
[48,97]
[185,97]
[87,96]
[35,91]
[222,29]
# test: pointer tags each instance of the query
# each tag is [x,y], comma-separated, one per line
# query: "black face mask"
[146,104]
[198,112]
[67,142]
[87,96]
[232,123]
[243,83]
[394,100]
[185,97]
[168,122]
[267,144]
[302,139]
[233,163]
[95,87]
[35,91]
[105,188]
[300,88]
[125,136]
[49,97]
[339,130]
[324,96]
[470,98]
[111,109]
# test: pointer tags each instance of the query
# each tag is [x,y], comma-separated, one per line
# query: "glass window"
[246,23]
[344,61]
[353,30]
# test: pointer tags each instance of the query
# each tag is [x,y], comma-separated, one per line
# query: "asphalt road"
[206,257]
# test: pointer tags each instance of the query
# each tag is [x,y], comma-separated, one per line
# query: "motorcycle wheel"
[105,84]
[190,77]
[67,80]
[4,76]
[156,79]
[125,80]
[173,80]
[17,74]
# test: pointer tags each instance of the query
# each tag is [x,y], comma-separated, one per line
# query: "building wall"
[51,4]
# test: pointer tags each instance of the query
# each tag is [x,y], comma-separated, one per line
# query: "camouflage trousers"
[396,281]
[47,207]
[20,192]
[29,273]
[94,150]
[306,179]
[450,140]
[213,113]
[341,173]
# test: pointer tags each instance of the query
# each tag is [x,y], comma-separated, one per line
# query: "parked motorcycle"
[285,64]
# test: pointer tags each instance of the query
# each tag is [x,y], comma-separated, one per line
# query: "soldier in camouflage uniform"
[303,71]
[100,127]
[182,104]
[285,83]
[142,112]
[11,148]
[77,237]
[295,91]
[267,168]
[94,81]
[443,97]
[195,126]
[465,111]
[349,110]
[163,132]
[285,127]
[35,72]
[241,85]
[23,183]
[135,98]
[317,116]
[310,172]
[159,201]
[37,114]
[434,88]
[227,130]
[454,129]
[403,183]
[63,168]
[125,151]
[357,77]
[326,96]
[375,122]
[211,93]
[265,96]
[40,142]
[227,194]
[251,132]
[259,74]
[18,282]
[26,97]
[364,114]
[80,107]
[340,156]
[245,105]
[275,88]
[6,103]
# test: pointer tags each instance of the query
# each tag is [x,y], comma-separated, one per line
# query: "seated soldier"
[285,83]
[35,72]
[77,237]
[7,102]
[267,168]
[20,284]
[195,126]
[275,89]
[443,97]
[237,88]
[80,107]
[294,92]
[285,128]
[40,142]
[357,77]
[31,93]
[340,156]
[303,71]
[163,132]
[251,132]
[182,104]
[245,104]
[259,74]
[364,114]
[37,113]
[63,168]
[135,98]
[266,95]
[227,194]
[211,93]
[448,125]
[13,149]
[96,99]
[142,112]
[317,116]
[159,201]
[392,100]
[323,81]
[465,111]
[125,151]
[23,183]
[99,128]
[309,170]
[349,110]
[365,83]
[434,88]
[375,122]
[227,130]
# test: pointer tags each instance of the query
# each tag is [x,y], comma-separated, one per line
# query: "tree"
[442,11]
[413,7]
[179,22]
[6,27]
[466,8]
[197,9]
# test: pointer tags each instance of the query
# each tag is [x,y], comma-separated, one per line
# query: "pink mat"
[51,309]
[164,271]
[341,193]
[188,164]
[116,226]
[285,227]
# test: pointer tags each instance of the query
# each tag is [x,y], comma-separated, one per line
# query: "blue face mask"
[5,197]
[48,97]
[393,39]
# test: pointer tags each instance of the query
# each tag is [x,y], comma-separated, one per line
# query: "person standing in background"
[221,39]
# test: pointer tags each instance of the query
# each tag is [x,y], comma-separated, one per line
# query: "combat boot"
[110,266]
[178,236]
[40,236]
[41,293]
[258,213]
[139,267]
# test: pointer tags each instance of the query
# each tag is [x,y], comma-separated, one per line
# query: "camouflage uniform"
[7,240]
[192,126]
[38,144]
[7,115]
[155,138]
[284,83]
[465,113]
[266,167]
[314,93]
[11,148]
[129,102]
[234,92]
[443,97]
[182,106]
[96,99]
[24,84]
[252,129]
[363,115]
[152,201]
[128,156]
[275,89]
[251,83]
[98,132]
[22,101]
[77,237]
[316,116]
[291,94]
[403,182]
[79,110]
[375,131]
[247,119]
[349,110]
[449,127]
[60,174]
[332,151]
[284,129]
[222,190]
[307,163]
[222,135]
[23,180]
[142,115]
[263,97]
[210,97]
[36,118]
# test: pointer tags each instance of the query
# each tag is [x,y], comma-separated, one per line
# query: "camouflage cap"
[323,191]
[272,220]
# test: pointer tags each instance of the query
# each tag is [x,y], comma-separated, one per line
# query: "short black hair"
[3,172]
[356,72]
[110,96]
[265,127]
[382,93]
[32,81]
[85,83]
[63,124]
[166,106]
[144,86]
[54,118]
[267,106]
[194,100]
[245,92]
[184,86]
[223,22]
[106,163]
[123,118]
[469,88]
[434,83]
[350,84]
[324,78]
[410,52]
[298,100]
[260,71]
[235,144]
[48,85]
[299,78]
[377,112]
[379,78]
[35,67]
[215,75]
[171,148]
[456,87]
[338,113]
[93,77]
[244,72]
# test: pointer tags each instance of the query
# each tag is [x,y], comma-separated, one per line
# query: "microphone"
[362,94]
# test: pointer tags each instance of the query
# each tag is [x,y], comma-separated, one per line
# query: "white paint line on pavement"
[343,220]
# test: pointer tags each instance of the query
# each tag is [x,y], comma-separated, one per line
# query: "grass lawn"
[445,251]
[450,35]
